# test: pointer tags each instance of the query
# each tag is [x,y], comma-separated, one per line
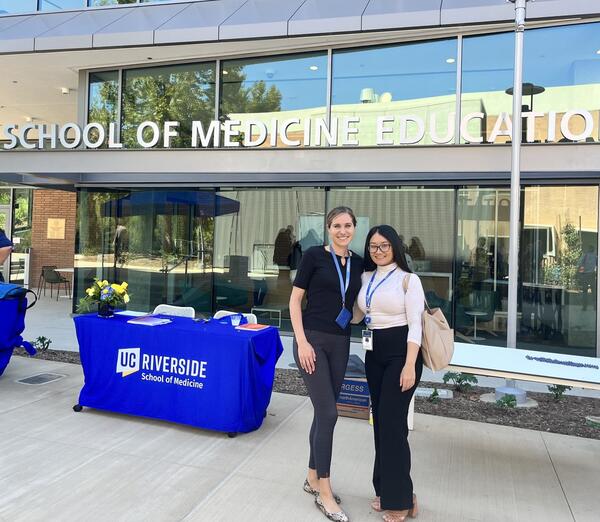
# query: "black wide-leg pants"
[324,386]
[391,472]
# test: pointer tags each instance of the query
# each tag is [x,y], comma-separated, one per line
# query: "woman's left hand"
[408,377]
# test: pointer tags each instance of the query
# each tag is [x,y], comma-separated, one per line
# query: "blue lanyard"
[343,288]
[369,295]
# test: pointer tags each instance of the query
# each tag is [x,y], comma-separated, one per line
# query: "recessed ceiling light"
[65,90]
[313,68]
[450,60]
[28,118]
[225,72]
[149,58]
[15,81]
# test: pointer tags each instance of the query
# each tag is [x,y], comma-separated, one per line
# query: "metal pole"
[515,178]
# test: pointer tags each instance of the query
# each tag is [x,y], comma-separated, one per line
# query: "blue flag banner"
[13,306]
[209,375]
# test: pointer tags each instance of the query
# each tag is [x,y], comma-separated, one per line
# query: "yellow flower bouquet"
[106,296]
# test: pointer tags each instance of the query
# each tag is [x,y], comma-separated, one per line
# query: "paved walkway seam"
[243,462]
[558,478]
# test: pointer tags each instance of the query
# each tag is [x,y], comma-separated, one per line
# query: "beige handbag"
[437,345]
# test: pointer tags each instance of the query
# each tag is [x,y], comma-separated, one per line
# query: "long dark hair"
[398,248]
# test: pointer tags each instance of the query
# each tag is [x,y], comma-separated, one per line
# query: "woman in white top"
[393,365]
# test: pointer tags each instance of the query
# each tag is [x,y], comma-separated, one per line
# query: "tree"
[182,93]
[103,106]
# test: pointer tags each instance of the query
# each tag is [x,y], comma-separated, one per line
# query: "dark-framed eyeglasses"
[383,247]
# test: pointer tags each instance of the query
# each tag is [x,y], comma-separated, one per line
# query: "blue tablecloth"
[208,375]
[13,306]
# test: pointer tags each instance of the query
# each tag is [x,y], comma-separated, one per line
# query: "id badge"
[343,318]
[367,340]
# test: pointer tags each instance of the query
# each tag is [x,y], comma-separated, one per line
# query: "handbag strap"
[405,288]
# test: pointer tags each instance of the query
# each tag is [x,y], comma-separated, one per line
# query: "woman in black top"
[331,282]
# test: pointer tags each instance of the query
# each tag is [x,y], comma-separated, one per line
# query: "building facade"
[205,142]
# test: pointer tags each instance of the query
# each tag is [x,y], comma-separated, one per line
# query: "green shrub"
[462,382]
[434,397]
[42,343]
[508,401]
[558,390]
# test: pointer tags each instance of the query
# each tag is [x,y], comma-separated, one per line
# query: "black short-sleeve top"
[318,276]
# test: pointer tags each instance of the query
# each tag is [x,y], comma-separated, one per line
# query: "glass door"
[5,225]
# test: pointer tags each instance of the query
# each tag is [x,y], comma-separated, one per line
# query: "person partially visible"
[586,271]
[120,244]
[480,263]
[6,248]
[416,249]
[407,256]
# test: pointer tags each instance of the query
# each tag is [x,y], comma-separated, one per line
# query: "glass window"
[561,83]
[178,93]
[5,226]
[481,296]
[424,219]
[488,63]
[54,5]
[159,241]
[93,3]
[103,100]
[258,248]
[21,234]
[412,84]
[280,89]
[562,74]
[18,6]
[558,269]
[4,196]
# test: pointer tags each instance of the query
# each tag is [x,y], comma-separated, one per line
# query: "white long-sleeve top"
[390,306]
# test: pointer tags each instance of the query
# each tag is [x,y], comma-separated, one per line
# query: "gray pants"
[324,386]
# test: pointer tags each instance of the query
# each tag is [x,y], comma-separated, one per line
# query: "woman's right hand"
[306,356]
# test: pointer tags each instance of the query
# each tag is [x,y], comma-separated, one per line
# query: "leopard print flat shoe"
[312,491]
[338,516]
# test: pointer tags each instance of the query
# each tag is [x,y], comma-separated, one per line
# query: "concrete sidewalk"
[57,465]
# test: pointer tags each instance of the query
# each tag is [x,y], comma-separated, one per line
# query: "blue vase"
[105,310]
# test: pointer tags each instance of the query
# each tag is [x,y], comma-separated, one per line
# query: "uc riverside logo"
[128,361]
[161,368]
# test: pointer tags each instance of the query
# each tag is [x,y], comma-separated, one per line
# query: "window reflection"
[179,93]
[18,6]
[424,219]
[558,269]
[21,234]
[55,5]
[94,3]
[565,63]
[481,302]
[561,74]
[103,100]
[279,89]
[412,81]
[488,63]
[258,249]
[158,241]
